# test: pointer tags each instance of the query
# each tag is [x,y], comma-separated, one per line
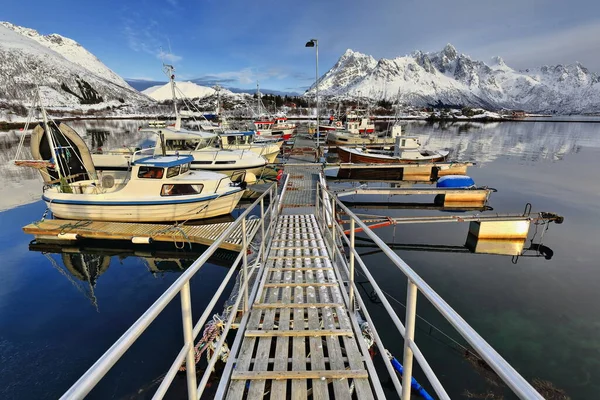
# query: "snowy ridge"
[68,75]
[72,51]
[450,78]
[190,90]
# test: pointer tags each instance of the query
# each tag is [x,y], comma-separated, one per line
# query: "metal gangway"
[297,298]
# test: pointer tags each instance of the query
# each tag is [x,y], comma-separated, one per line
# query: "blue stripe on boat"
[164,161]
[136,203]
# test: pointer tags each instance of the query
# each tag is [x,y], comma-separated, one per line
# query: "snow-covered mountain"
[190,90]
[68,75]
[450,78]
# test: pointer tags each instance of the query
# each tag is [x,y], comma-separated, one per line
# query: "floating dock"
[459,196]
[68,231]
[412,172]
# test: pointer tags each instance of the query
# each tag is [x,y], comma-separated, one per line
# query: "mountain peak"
[450,52]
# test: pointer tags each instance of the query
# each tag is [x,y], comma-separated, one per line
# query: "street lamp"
[315,43]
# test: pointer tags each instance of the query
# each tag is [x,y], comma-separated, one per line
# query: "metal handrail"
[505,371]
[99,369]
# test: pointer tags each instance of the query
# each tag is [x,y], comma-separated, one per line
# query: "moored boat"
[159,189]
[345,138]
[238,140]
[369,156]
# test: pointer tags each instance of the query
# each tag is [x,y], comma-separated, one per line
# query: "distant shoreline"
[5,125]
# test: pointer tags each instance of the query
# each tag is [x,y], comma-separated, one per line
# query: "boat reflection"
[82,266]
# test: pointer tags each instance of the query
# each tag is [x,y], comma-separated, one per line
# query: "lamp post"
[315,43]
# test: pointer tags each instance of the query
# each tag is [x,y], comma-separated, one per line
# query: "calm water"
[543,316]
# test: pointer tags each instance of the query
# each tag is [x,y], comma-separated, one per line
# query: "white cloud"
[141,38]
[247,76]
[170,57]
[566,46]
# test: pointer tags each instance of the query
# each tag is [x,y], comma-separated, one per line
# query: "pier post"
[351,294]
[188,337]
[245,265]
[333,243]
[409,335]
[262,232]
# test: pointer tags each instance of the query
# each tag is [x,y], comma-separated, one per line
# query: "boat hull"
[347,156]
[161,210]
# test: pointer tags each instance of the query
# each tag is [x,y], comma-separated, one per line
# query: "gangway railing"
[326,206]
[181,286]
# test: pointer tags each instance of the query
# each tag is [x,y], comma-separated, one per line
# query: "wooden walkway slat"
[301,325]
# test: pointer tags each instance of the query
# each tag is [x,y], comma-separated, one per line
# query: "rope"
[210,337]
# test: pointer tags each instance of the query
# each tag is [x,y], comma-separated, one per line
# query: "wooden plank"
[300,376]
[302,268]
[294,257]
[299,387]
[303,332]
[295,305]
[301,284]
[257,387]
[336,362]
[236,387]
[317,359]
[279,388]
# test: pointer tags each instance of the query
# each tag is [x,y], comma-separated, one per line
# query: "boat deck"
[300,339]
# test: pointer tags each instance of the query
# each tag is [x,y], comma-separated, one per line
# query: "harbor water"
[60,309]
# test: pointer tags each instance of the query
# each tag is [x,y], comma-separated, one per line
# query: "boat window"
[173,171]
[230,139]
[225,162]
[150,172]
[202,162]
[181,190]
[185,168]
[181,144]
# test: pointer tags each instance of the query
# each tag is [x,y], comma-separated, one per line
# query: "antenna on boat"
[169,70]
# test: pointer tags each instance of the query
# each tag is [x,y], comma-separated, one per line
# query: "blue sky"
[239,42]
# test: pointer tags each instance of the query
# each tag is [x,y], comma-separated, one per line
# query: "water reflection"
[529,142]
[82,266]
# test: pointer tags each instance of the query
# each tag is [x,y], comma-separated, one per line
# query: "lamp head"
[311,43]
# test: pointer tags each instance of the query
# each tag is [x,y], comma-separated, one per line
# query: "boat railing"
[142,152]
[334,233]
[181,287]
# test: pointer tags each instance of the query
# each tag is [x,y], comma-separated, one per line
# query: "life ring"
[338,123]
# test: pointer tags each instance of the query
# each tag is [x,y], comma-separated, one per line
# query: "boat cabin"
[263,125]
[153,169]
[237,138]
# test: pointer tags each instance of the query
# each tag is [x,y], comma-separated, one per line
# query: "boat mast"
[258,100]
[49,134]
[169,69]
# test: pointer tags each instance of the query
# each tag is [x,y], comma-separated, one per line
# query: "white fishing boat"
[356,122]
[372,156]
[239,140]
[345,138]
[160,189]
[157,188]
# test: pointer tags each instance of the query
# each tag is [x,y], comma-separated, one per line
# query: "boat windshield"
[150,172]
[187,144]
